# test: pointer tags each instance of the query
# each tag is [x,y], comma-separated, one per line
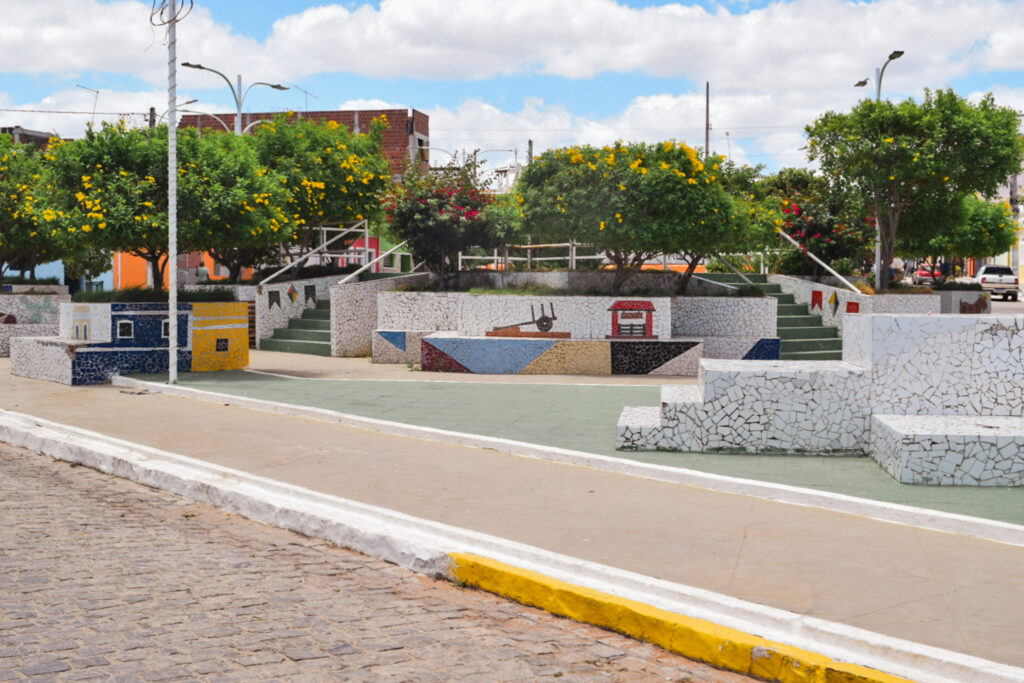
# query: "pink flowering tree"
[440,212]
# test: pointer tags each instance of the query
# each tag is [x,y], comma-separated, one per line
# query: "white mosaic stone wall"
[8,332]
[950,450]
[761,406]
[436,311]
[354,313]
[47,358]
[948,391]
[834,301]
[32,309]
[713,316]
[33,289]
[91,321]
[582,317]
[386,352]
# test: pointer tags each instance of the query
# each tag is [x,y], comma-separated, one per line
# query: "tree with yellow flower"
[331,175]
[632,202]
[26,238]
[908,156]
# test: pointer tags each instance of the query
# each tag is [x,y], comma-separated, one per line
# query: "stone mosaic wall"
[354,313]
[130,337]
[714,316]
[29,315]
[33,289]
[832,303]
[447,352]
[582,317]
[950,450]
[434,311]
[398,346]
[919,366]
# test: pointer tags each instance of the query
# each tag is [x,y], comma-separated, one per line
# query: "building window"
[125,329]
[76,332]
[222,344]
[165,329]
[85,330]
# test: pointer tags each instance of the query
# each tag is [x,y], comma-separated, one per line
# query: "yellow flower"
[889,140]
[602,225]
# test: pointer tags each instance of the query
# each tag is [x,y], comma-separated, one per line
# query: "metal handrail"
[714,282]
[733,269]
[355,228]
[821,263]
[356,273]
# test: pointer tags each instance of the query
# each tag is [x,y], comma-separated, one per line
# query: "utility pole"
[707,119]
[152,117]
[529,151]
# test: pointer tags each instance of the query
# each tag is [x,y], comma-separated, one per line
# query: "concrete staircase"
[801,333]
[310,334]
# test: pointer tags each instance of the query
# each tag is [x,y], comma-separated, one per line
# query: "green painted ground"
[584,418]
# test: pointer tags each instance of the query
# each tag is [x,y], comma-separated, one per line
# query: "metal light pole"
[95,97]
[895,54]
[172,197]
[236,91]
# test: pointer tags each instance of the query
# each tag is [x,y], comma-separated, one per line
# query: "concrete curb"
[894,513]
[694,622]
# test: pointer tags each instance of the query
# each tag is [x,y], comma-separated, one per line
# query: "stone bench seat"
[961,450]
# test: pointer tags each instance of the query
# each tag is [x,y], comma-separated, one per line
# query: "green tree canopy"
[228,204]
[632,202]
[332,175]
[901,155]
[29,232]
[442,211]
[110,189]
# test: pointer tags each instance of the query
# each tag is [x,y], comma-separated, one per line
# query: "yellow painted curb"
[719,646]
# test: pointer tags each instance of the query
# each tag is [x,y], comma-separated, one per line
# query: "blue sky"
[493,74]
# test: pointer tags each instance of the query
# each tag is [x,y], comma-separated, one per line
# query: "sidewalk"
[943,590]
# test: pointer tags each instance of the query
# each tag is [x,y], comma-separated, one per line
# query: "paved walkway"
[950,591]
[107,579]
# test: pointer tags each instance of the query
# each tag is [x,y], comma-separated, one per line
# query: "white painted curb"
[893,513]
[424,546]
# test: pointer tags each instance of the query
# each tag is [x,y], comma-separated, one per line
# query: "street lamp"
[236,91]
[895,54]
[95,97]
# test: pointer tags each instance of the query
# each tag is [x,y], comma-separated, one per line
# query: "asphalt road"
[107,579]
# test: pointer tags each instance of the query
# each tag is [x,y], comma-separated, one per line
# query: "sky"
[494,74]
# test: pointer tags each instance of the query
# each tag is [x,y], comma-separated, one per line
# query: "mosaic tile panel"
[490,355]
[434,311]
[220,338]
[764,349]
[965,302]
[31,309]
[394,346]
[9,331]
[354,313]
[97,366]
[45,358]
[724,316]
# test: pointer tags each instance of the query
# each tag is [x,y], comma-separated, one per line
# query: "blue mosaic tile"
[492,356]
[394,338]
[98,366]
[765,349]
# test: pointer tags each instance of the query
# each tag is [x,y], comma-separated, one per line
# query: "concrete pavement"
[943,590]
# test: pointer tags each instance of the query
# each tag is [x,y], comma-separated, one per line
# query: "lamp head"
[193,66]
[278,86]
[861,83]
[896,54]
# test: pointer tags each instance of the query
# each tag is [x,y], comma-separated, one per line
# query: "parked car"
[927,274]
[999,280]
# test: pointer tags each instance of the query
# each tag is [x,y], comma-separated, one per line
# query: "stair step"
[790,345]
[316,313]
[323,304]
[819,332]
[782,298]
[308,324]
[302,335]
[798,321]
[792,309]
[313,348]
[731,278]
[811,355]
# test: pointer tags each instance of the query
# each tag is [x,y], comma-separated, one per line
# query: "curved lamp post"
[236,90]
[895,54]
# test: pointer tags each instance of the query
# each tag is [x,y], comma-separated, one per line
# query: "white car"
[999,280]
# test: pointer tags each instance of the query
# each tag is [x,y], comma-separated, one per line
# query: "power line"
[86,113]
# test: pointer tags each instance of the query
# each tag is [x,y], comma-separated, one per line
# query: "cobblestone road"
[102,578]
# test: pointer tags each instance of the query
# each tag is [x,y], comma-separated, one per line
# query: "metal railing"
[821,263]
[356,273]
[360,226]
